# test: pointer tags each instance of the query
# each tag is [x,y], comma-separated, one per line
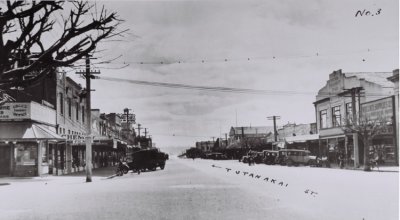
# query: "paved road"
[179,192]
[189,189]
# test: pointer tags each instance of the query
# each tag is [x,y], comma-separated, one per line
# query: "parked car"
[294,157]
[250,154]
[258,157]
[244,159]
[269,156]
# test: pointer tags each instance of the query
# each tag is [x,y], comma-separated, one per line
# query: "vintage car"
[269,156]
[251,154]
[294,157]
[148,159]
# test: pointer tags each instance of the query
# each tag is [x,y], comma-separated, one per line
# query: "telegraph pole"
[274,118]
[150,142]
[355,120]
[88,139]
[139,130]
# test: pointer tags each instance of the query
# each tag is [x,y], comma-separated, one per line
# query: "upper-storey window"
[77,111]
[69,107]
[336,116]
[61,103]
[349,110]
[83,114]
[323,118]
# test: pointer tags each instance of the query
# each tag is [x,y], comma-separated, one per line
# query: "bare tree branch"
[77,38]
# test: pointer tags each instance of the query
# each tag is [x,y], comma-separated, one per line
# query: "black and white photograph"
[199,110]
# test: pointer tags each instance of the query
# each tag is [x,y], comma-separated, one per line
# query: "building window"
[83,114]
[77,111]
[61,103]
[69,107]
[336,116]
[349,110]
[323,119]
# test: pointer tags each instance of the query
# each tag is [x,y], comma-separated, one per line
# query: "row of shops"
[42,131]
[375,97]
[33,149]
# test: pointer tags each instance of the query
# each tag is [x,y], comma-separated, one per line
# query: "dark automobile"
[294,157]
[250,154]
[270,156]
[147,159]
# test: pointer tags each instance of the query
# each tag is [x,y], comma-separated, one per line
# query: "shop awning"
[27,131]
[301,138]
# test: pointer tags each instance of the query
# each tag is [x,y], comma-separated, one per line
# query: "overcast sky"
[191,32]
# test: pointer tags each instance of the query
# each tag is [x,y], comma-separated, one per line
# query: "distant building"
[298,136]
[262,133]
[293,129]
[205,146]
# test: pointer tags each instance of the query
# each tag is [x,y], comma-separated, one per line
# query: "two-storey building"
[341,99]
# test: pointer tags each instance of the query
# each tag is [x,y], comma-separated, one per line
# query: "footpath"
[100,172]
[96,173]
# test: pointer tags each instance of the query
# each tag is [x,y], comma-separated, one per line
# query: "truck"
[148,159]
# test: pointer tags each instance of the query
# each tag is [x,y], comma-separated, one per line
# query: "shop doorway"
[5,159]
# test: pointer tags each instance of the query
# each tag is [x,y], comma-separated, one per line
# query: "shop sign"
[131,118]
[15,111]
[381,109]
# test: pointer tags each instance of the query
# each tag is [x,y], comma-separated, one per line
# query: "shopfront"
[24,148]
[334,147]
[384,146]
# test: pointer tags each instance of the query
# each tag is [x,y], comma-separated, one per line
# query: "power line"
[222,89]
[250,58]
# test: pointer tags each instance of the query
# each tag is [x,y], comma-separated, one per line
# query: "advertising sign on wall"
[131,118]
[27,110]
[381,109]
[15,111]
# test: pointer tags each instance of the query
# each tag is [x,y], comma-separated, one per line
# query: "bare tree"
[27,52]
[367,129]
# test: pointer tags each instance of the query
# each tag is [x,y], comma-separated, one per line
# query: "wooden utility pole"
[139,130]
[274,118]
[355,120]
[88,139]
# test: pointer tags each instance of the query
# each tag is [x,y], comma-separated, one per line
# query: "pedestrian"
[341,160]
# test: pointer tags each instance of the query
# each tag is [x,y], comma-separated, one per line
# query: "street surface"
[206,189]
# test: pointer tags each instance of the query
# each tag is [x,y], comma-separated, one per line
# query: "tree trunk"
[367,166]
